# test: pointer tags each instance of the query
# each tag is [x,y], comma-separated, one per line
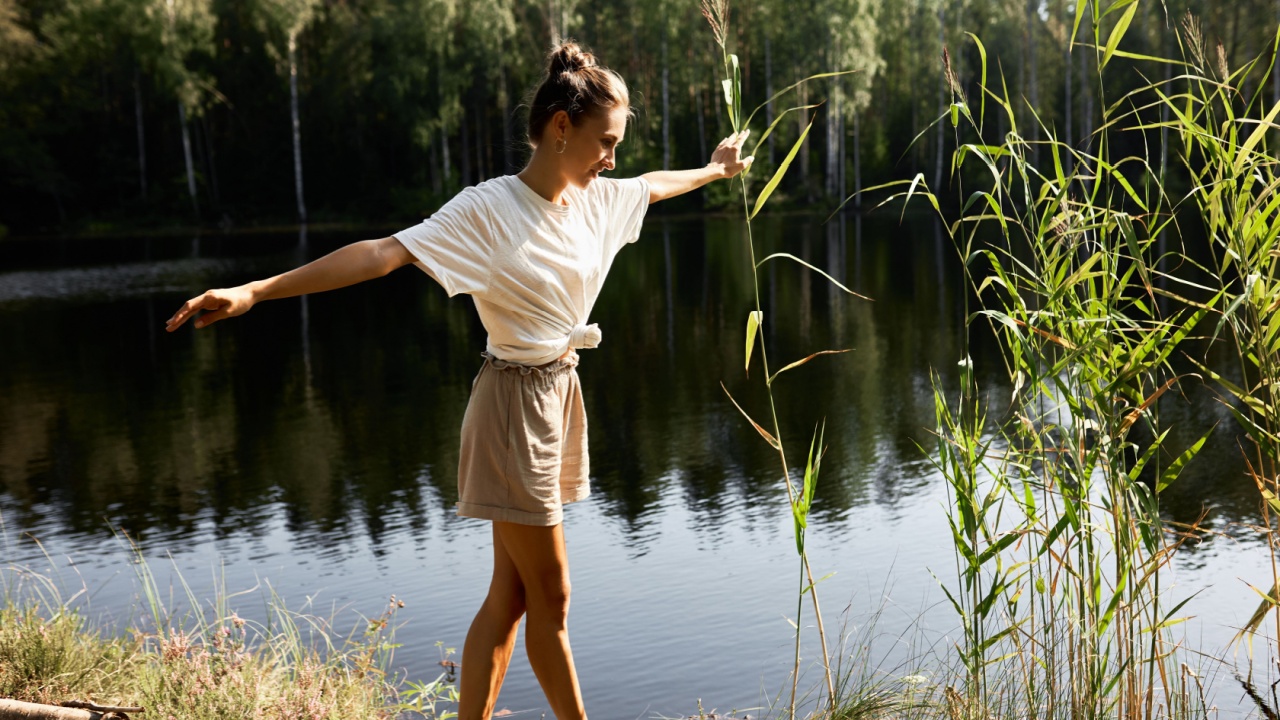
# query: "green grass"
[204,664]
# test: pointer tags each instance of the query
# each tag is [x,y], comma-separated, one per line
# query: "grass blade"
[782,170]
[755,319]
[1117,33]
[835,282]
[802,361]
[763,433]
[793,86]
[774,124]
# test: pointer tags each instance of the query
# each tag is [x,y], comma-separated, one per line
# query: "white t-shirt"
[533,267]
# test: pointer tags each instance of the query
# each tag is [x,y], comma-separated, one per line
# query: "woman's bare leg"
[491,639]
[539,556]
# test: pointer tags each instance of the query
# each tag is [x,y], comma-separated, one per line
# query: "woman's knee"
[549,597]
[506,602]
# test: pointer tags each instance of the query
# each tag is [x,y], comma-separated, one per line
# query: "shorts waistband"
[558,365]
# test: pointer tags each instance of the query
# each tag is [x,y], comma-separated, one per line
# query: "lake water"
[312,445]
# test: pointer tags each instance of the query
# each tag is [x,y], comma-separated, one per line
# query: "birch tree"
[489,26]
[187,30]
[855,42]
[282,21]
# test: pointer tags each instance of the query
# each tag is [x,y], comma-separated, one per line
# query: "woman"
[532,249]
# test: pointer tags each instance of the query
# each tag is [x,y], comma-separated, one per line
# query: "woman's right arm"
[345,266]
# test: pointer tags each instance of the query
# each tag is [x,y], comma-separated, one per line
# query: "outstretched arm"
[725,163]
[345,266]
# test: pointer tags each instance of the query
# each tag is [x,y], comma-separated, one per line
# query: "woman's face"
[589,146]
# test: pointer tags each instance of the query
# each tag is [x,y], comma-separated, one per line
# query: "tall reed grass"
[1062,551]
[1224,132]
[799,490]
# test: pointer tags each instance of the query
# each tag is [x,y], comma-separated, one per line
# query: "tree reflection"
[340,413]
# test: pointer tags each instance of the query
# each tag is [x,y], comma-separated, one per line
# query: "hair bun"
[569,58]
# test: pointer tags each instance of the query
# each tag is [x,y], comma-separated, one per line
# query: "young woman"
[532,250]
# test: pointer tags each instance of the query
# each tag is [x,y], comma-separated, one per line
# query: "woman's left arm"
[725,163]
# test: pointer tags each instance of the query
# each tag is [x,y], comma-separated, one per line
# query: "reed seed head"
[949,74]
[1194,37]
[717,14]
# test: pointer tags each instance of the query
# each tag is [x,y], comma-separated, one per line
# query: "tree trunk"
[1033,87]
[1164,107]
[833,123]
[215,197]
[297,126]
[666,101]
[768,89]
[701,111]
[857,160]
[843,172]
[437,184]
[142,136]
[464,155]
[508,135]
[716,95]
[1086,93]
[1068,109]
[486,134]
[186,155]
[18,710]
[804,151]
[942,97]
[445,169]
[1275,67]
[480,143]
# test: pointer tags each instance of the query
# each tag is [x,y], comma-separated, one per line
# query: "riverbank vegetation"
[1107,269]
[204,661]
[118,114]
[1108,277]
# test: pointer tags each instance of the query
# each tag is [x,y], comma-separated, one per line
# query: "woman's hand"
[217,304]
[726,154]
[345,266]
[725,163]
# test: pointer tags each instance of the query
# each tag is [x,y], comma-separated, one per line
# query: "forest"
[121,115]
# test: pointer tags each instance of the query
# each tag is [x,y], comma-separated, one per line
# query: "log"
[18,710]
[71,710]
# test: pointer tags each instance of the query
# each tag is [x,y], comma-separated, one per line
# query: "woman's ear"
[560,124]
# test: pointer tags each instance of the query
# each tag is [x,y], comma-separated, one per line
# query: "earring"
[561,144]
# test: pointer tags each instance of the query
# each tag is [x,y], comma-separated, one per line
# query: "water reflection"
[342,410]
[325,429]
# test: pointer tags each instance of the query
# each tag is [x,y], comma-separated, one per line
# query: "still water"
[311,446]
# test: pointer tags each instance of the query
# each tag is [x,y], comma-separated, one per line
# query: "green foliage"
[426,95]
[1061,547]
[800,499]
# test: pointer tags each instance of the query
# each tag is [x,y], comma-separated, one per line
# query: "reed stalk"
[1223,142]
[1055,516]
[799,498]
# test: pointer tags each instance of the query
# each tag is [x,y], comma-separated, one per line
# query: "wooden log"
[18,710]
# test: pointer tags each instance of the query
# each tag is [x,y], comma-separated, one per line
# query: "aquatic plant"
[1060,544]
[1223,126]
[799,494]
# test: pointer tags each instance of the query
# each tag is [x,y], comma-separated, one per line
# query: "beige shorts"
[524,443]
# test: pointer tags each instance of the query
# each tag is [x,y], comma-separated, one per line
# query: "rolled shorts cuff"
[511,515]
